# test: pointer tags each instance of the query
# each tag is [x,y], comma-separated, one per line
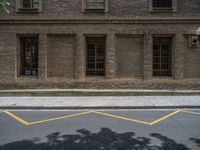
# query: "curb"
[101,107]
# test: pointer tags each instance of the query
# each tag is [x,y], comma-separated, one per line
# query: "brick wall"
[117,8]
[7,56]
[60,56]
[62,53]
[62,48]
[128,54]
[191,63]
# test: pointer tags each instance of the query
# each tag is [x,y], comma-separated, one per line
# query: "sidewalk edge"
[102,107]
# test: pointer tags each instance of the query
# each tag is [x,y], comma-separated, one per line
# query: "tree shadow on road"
[105,139]
[197,141]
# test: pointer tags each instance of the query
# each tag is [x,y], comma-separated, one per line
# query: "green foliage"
[4,5]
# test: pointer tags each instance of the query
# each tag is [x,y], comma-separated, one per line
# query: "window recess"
[162,56]
[29,5]
[95,5]
[95,56]
[29,56]
[163,5]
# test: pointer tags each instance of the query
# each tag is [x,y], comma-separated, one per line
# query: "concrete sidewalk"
[104,102]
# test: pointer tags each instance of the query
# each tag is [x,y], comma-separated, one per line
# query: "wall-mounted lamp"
[196,39]
[198,33]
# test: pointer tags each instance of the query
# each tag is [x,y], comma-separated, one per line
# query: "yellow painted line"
[165,117]
[17,118]
[139,121]
[96,112]
[123,118]
[58,118]
[191,112]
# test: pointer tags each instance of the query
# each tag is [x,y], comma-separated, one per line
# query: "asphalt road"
[100,130]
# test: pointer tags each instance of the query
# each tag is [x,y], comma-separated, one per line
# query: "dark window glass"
[27,4]
[30,4]
[29,56]
[162,3]
[95,4]
[162,56]
[95,56]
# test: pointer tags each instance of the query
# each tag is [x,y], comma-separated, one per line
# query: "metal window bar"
[162,56]
[95,56]
[29,58]
[162,3]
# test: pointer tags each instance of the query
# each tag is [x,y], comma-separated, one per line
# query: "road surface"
[173,129]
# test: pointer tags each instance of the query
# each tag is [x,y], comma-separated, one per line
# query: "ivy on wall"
[4,5]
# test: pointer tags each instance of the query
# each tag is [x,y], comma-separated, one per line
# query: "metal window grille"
[95,4]
[162,3]
[162,56]
[29,56]
[95,56]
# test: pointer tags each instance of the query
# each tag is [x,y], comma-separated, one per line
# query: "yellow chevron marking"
[120,117]
[191,112]
[43,121]
[17,118]
[63,117]
[165,117]
[96,112]
[139,121]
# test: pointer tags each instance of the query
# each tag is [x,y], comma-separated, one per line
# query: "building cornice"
[11,20]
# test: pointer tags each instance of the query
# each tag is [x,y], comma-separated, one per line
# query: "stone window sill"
[162,10]
[94,10]
[27,77]
[94,78]
[162,78]
[28,10]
